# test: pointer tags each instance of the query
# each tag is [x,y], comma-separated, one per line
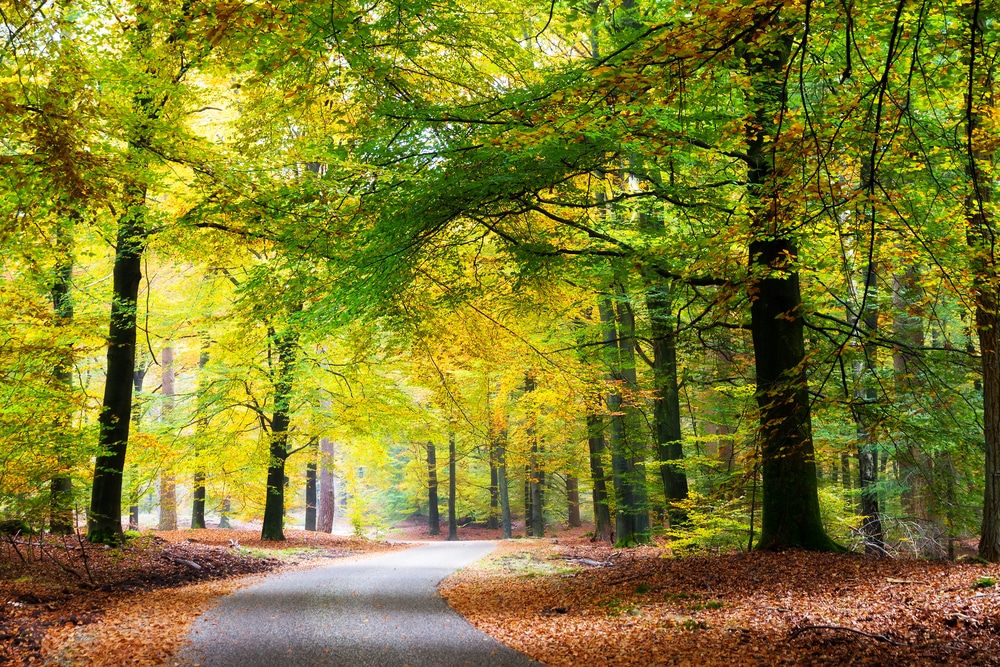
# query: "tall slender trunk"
[310,521]
[136,491]
[865,396]
[433,516]
[627,459]
[986,277]
[198,479]
[61,521]
[168,484]
[285,345]
[503,492]
[452,475]
[327,492]
[104,520]
[536,475]
[603,529]
[573,502]
[790,503]
[666,403]
[908,331]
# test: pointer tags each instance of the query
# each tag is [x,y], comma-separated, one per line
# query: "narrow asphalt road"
[382,611]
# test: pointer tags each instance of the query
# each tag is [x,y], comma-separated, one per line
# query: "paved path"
[382,611]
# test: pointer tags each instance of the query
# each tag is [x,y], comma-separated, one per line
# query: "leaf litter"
[66,602]
[569,602]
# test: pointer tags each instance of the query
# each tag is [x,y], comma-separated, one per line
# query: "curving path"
[382,611]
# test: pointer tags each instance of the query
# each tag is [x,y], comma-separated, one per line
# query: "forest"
[721,273]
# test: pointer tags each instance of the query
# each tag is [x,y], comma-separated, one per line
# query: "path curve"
[382,612]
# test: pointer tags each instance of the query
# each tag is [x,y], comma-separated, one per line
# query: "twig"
[64,568]
[18,551]
[881,638]
[83,554]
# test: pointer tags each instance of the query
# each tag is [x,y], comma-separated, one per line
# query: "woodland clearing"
[562,601]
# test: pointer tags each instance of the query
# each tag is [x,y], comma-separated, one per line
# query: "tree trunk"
[632,511]
[986,278]
[198,480]
[866,326]
[536,476]
[104,520]
[502,489]
[310,522]
[136,492]
[284,375]
[602,513]
[61,521]
[493,518]
[327,492]
[573,502]
[452,474]
[168,485]
[908,331]
[528,510]
[790,503]
[666,403]
[433,517]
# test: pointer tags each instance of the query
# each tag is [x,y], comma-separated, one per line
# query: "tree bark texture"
[986,277]
[536,476]
[627,457]
[790,514]
[573,502]
[666,403]
[285,345]
[311,486]
[168,484]
[603,530]
[452,488]
[198,491]
[433,517]
[61,521]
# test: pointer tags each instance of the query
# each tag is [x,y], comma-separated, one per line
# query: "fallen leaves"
[637,607]
[72,603]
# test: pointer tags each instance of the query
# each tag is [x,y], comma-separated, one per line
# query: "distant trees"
[699,265]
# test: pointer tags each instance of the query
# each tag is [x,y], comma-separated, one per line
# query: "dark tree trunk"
[493,519]
[452,475]
[285,345]
[980,104]
[104,520]
[632,511]
[666,404]
[790,504]
[602,513]
[866,326]
[573,502]
[198,480]
[536,476]
[433,517]
[502,490]
[310,523]
[528,511]
[327,493]
[135,493]
[61,521]
[168,485]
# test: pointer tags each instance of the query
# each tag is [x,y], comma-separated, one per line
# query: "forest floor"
[567,601]
[561,600]
[67,602]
